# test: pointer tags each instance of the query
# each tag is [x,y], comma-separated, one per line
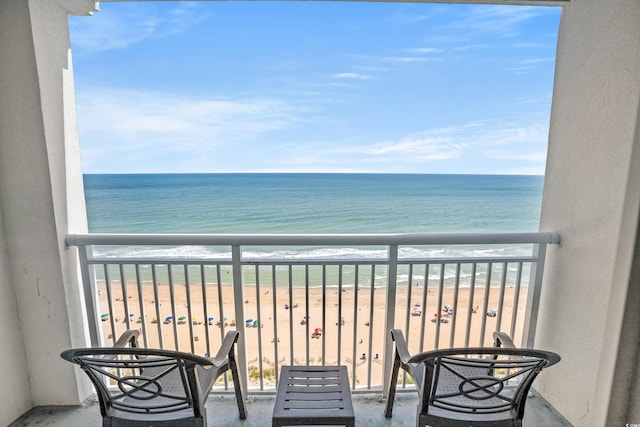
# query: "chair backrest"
[481,381]
[134,382]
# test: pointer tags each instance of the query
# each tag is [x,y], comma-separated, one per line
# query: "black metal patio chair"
[485,386]
[143,387]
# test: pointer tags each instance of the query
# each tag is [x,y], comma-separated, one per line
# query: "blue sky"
[314,87]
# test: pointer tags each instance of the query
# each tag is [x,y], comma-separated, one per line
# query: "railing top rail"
[313,239]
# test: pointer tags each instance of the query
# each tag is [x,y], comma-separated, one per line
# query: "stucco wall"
[591,197]
[14,393]
[38,177]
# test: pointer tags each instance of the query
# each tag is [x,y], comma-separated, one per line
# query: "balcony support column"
[41,200]
[592,198]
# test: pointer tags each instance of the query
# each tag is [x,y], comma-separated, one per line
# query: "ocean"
[312,203]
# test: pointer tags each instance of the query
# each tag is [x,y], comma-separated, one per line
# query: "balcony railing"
[312,299]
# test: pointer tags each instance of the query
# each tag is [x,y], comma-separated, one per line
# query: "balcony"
[297,299]
[368,408]
[305,307]
[588,306]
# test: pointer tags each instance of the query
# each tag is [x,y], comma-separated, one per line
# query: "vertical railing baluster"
[141,306]
[259,322]
[323,336]
[355,325]
[291,358]
[340,314]
[276,340]
[455,306]
[503,284]
[90,292]
[407,315]
[392,273]
[439,307]
[222,319]
[372,293]
[533,297]
[174,321]
[187,286]
[223,322]
[472,290]
[125,296]
[107,284]
[156,302]
[306,311]
[238,296]
[516,301]
[423,317]
[205,309]
[485,304]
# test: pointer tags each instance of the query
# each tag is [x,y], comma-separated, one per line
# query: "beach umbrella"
[318,330]
[248,321]
[210,319]
[182,318]
[168,319]
[105,316]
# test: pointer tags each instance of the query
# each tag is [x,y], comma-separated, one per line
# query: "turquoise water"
[312,203]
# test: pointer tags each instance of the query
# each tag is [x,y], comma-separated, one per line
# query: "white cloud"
[355,76]
[143,123]
[453,142]
[120,27]
[423,50]
[496,18]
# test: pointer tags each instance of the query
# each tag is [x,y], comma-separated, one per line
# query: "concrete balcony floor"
[369,410]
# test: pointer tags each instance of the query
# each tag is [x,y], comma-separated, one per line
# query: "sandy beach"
[284,328]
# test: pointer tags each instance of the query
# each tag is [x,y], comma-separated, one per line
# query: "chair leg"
[393,383]
[238,389]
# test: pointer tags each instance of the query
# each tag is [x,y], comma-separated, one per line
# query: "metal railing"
[312,299]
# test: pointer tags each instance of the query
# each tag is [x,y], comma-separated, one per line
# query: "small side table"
[313,395]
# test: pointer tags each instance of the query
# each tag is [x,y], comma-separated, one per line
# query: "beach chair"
[144,387]
[485,386]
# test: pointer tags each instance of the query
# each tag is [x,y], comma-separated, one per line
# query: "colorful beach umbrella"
[182,318]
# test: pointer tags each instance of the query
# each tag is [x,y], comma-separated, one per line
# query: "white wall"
[591,197]
[39,175]
[15,394]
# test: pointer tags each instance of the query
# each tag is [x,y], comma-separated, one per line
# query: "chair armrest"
[501,339]
[226,348]
[128,337]
[401,346]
